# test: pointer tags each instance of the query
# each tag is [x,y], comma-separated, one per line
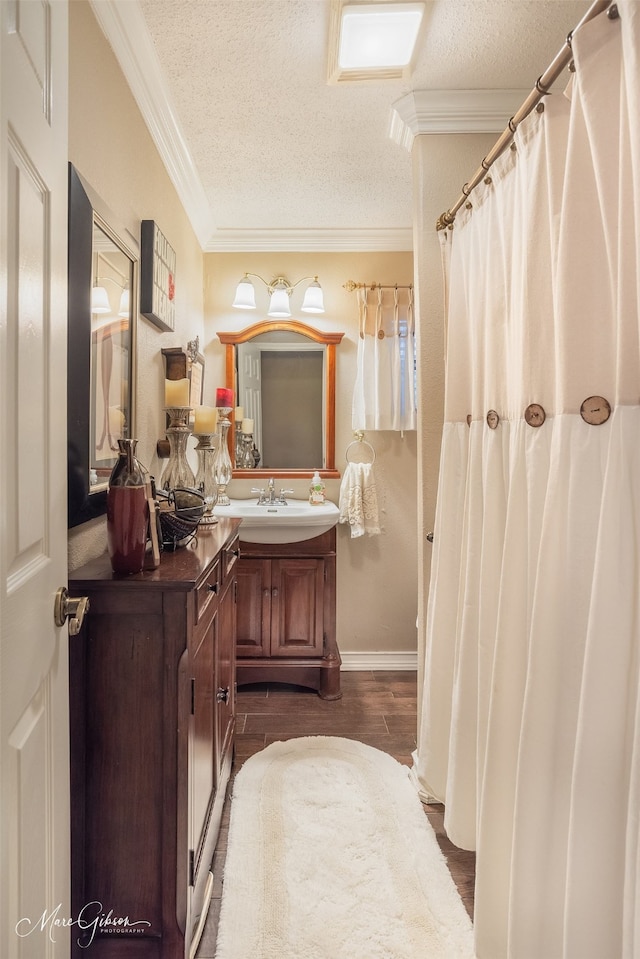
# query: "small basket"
[179,513]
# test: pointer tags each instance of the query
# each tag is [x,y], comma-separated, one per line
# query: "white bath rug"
[331,856]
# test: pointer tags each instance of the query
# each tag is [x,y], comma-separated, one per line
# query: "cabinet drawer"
[208,591]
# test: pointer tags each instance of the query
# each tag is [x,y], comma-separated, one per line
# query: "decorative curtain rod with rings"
[541,89]
[350,286]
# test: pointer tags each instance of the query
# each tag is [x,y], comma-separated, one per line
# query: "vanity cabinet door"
[297,607]
[202,759]
[225,678]
[254,607]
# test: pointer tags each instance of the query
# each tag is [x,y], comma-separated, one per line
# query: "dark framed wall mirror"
[101,355]
[283,374]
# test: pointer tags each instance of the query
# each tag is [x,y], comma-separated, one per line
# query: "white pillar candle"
[176,392]
[239,414]
[206,419]
[247,426]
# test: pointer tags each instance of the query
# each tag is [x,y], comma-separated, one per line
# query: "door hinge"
[193,697]
[235,591]
[324,568]
[192,867]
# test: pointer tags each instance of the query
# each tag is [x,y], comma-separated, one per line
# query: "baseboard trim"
[385,660]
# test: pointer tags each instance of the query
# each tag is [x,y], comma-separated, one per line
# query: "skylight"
[378,35]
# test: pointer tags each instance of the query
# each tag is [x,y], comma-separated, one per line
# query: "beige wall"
[441,164]
[377,576]
[112,149]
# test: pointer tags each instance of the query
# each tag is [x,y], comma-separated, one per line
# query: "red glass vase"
[127,511]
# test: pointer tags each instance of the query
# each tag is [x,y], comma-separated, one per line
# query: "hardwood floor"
[377,708]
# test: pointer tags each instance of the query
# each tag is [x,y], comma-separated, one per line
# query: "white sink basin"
[296,521]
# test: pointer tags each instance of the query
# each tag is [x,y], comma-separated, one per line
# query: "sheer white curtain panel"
[384,396]
[530,727]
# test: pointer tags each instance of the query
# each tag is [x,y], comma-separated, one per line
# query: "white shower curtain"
[384,396]
[530,729]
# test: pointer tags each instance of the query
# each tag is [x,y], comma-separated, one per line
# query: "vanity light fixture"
[280,291]
[124,309]
[100,297]
[99,300]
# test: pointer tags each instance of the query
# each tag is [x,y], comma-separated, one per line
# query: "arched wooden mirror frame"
[330,341]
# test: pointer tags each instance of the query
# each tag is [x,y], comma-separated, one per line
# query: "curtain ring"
[540,87]
[613,13]
[569,40]
[512,126]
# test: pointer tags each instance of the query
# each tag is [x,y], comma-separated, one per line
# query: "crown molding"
[313,241]
[452,111]
[125,28]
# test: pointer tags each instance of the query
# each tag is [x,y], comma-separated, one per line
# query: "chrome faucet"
[268,497]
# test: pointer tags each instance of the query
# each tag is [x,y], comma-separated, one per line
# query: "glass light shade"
[313,301]
[123,309]
[99,300]
[279,304]
[245,295]
[378,34]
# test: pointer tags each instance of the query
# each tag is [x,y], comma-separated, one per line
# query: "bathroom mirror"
[103,294]
[283,373]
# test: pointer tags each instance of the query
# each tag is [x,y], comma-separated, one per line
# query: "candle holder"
[222,462]
[206,476]
[247,461]
[238,442]
[177,473]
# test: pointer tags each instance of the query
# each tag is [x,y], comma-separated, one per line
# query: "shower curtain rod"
[350,286]
[541,89]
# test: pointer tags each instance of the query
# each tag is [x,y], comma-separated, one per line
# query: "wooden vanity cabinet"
[286,630]
[152,710]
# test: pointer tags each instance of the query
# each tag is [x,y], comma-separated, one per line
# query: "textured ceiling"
[277,148]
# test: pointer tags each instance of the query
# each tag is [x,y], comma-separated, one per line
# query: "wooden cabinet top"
[181,569]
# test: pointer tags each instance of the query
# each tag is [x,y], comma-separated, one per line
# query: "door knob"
[72,609]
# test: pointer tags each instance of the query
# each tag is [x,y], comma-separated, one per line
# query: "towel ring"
[360,441]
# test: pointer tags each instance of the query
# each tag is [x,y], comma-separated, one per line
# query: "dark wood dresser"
[152,699]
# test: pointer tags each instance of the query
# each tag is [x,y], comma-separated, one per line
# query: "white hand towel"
[359,500]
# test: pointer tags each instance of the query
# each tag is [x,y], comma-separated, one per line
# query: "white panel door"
[34,750]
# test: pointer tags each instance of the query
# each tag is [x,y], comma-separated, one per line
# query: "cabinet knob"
[265,592]
[274,591]
[223,695]
[213,587]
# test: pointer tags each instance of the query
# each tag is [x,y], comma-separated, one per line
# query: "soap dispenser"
[316,490]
